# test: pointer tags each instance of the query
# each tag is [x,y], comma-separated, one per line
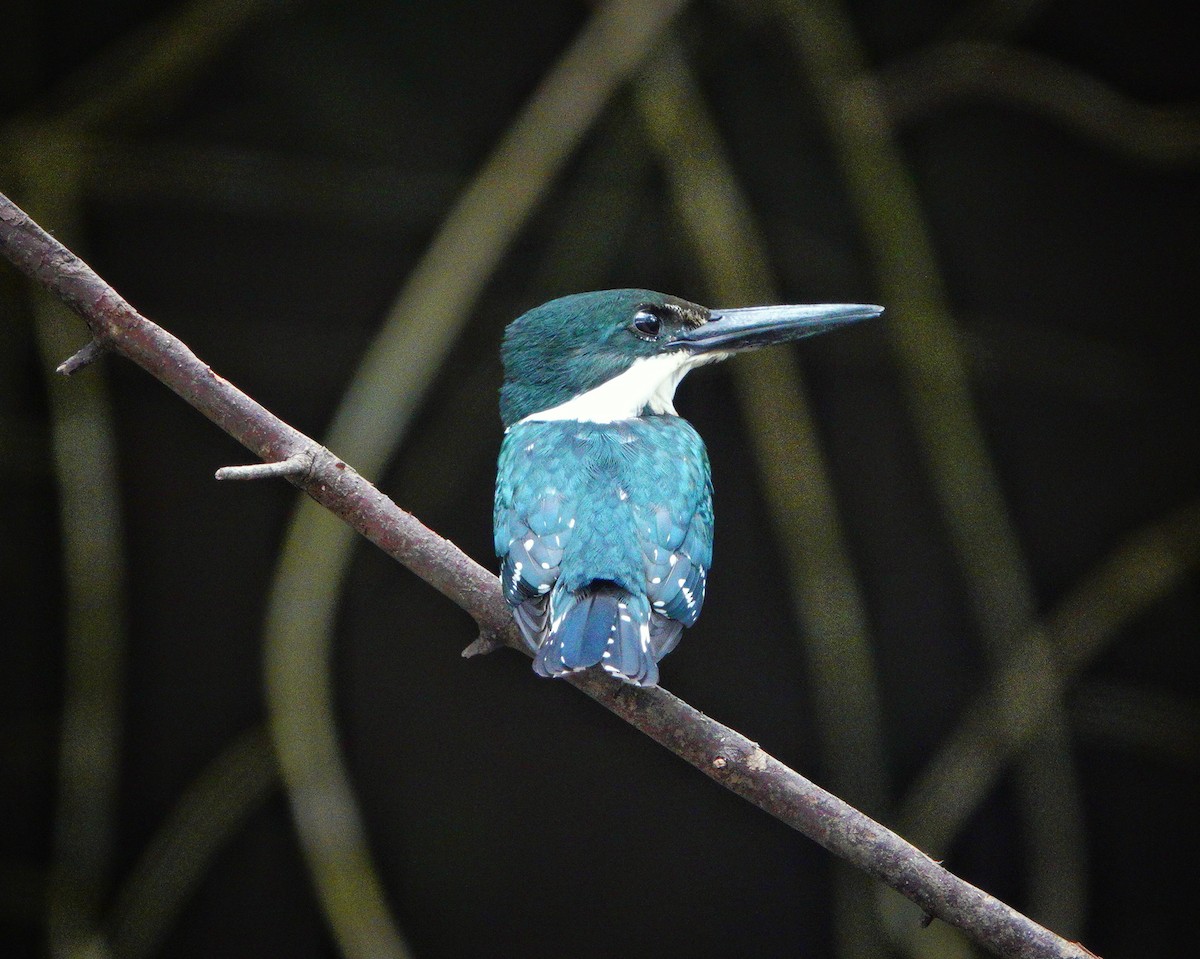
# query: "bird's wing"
[677,546]
[533,522]
[530,544]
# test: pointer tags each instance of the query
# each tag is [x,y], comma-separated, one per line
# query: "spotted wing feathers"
[532,551]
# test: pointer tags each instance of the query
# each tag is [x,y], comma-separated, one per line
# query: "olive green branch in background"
[47,144]
[796,483]
[1152,563]
[83,440]
[210,810]
[925,343]
[721,753]
[138,77]
[370,424]
[973,71]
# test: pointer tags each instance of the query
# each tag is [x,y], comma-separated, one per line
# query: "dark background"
[999,503]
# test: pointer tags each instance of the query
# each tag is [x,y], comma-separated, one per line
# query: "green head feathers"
[564,348]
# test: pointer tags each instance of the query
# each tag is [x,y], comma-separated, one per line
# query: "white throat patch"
[649,383]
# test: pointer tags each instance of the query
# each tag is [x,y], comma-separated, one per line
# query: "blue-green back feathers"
[589,515]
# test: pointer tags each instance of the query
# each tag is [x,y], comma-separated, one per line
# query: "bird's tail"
[601,624]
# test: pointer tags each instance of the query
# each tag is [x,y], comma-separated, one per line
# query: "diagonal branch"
[718,751]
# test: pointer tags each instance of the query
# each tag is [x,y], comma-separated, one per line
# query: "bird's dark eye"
[647,323]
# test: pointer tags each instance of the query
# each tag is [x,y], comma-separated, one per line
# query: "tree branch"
[720,752]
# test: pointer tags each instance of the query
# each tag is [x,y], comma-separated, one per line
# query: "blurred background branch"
[391,379]
[937,389]
[938,78]
[829,605]
[95,600]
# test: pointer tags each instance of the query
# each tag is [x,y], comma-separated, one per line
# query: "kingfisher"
[603,513]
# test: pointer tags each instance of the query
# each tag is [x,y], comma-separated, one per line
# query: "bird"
[603,511]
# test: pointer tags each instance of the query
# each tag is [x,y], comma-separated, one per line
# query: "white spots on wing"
[622,494]
[571,523]
[673,560]
[544,588]
[656,580]
[556,616]
[529,543]
[529,448]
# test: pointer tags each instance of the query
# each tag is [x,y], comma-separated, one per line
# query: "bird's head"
[615,354]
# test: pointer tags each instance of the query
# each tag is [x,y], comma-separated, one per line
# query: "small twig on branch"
[720,752]
[295,465]
[484,643]
[87,354]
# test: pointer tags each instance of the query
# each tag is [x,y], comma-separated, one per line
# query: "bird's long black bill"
[750,327]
